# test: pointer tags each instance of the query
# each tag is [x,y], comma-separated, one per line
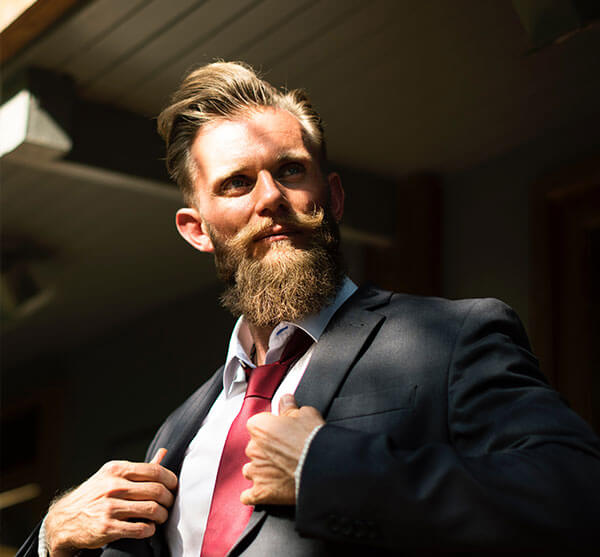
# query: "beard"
[284,282]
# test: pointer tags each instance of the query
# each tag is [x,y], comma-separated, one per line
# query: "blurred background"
[467,134]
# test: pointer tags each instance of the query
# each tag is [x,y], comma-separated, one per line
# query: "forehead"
[253,138]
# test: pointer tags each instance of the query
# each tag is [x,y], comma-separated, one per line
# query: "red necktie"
[228,517]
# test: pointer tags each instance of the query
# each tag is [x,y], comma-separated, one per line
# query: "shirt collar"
[240,343]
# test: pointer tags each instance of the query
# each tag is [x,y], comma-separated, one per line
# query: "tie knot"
[264,380]
[295,347]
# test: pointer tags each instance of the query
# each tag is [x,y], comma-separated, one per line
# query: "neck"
[260,337]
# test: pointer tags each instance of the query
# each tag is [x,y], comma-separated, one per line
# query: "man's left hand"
[274,449]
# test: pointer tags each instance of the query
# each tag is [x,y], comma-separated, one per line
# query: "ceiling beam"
[35,119]
[22,21]
[47,121]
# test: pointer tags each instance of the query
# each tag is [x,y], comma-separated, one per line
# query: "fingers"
[143,491]
[137,530]
[274,449]
[246,471]
[256,495]
[264,494]
[160,454]
[148,510]
[115,530]
[252,450]
[247,497]
[122,500]
[146,471]
[287,404]
[142,472]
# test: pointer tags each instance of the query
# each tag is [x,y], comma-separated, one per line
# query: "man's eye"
[236,184]
[291,169]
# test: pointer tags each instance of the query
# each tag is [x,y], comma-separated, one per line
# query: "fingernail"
[160,454]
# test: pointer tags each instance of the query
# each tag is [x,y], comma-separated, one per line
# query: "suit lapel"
[175,435]
[256,518]
[340,345]
[179,431]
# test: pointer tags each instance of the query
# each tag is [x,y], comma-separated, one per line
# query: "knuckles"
[260,421]
[155,492]
[154,470]
[155,512]
[114,467]
[252,424]
[161,515]
[161,494]
[103,527]
[252,449]
[251,496]
[151,508]
[110,507]
[247,470]
[113,487]
[168,499]
[142,530]
[114,494]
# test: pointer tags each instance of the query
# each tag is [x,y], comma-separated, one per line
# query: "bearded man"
[345,421]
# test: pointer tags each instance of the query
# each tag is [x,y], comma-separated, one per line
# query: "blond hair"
[223,90]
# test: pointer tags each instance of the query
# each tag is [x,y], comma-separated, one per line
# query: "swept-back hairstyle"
[224,90]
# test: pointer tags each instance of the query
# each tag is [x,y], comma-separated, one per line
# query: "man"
[417,423]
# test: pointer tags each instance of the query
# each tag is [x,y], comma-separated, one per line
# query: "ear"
[190,226]
[337,195]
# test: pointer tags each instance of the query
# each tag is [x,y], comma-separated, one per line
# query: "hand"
[274,449]
[122,500]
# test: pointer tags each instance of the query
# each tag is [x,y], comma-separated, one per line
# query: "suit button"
[333,523]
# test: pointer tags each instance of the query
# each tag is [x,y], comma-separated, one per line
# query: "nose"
[270,197]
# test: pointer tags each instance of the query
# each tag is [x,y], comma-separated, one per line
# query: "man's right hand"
[122,500]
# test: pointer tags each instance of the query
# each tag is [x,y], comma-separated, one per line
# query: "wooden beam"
[31,22]
[11,10]
[46,121]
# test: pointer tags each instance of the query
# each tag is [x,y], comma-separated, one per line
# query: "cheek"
[305,200]
[226,220]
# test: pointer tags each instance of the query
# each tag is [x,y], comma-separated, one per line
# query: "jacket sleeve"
[30,547]
[520,469]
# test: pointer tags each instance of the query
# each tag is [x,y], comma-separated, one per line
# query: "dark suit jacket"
[441,434]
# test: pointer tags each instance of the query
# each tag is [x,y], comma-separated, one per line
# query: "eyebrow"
[297,155]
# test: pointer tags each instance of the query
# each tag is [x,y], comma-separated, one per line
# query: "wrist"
[55,549]
[54,545]
[63,553]
[303,455]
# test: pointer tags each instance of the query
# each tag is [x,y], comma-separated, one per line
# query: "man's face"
[265,209]
[253,172]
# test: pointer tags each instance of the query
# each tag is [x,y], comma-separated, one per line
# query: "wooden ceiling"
[403,86]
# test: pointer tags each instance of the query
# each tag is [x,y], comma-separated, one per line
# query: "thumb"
[287,403]
[160,454]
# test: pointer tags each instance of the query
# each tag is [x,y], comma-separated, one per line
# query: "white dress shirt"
[189,514]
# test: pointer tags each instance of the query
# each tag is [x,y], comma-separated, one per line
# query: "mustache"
[292,222]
